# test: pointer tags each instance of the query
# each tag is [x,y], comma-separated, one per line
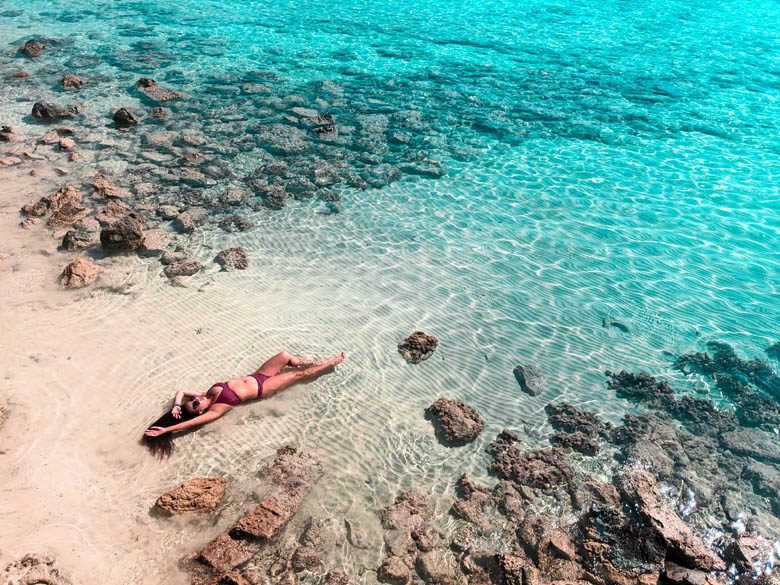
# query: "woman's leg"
[280,382]
[282,360]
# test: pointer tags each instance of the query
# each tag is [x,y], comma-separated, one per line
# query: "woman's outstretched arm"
[204,418]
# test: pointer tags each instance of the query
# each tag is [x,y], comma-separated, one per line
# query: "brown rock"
[160,113]
[67,144]
[201,494]
[232,259]
[295,473]
[20,75]
[105,188]
[36,208]
[537,469]
[79,273]
[152,90]
[678,575]
[114,210]
[304,558]
[49,112]
[124,118]
[393,571]
[34,570]
[30,222]
[748,552]
[455,421]
[472,500]
[72,82]
[32,48]
[186,267]
[418,347]
[336,577]
[126,234]
[640,488]
[516,570]
[65,206]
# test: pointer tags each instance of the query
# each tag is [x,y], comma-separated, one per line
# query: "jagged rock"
[641,489]
[512,499]
[32,48]
[234,223]
[65,206]
[274,196]
[49,112]
[67,144]
[154,91]
[85,233]
[124,118]
[433,568]
[36,208]
[201,494]
[641,387]
[187,221]
[407,520]
[114,210]
[581,430]
[30,222]
[235,197]
[455,421]
[536,469]
[418,347]
[593,495]
[701,417]
[752,442]
[296,474]
[393,571]
[750,553]
[125,234]
[550,549]
[171,257]
[6,133]
[72,82]
[160,113]
[676,575]
[34,570]
[472,500]
[105,188]
[79,273]
[232,259]
[155,243]
[530,379]
[515,570]
[185,267]
[304,558]
[168,212]
[615,551]
[336,577]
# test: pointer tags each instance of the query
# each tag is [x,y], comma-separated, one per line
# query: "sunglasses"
[195,403]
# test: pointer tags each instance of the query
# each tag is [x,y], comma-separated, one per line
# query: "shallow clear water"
[504,177]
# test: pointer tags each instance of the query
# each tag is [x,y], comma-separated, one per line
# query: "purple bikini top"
[227,396]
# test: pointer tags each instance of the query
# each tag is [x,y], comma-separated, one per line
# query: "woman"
[223,396]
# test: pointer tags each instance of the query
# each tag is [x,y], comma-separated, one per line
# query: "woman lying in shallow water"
[202,408]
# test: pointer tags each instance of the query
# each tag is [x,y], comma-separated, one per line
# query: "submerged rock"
[641,387]
[537,469]
[79,273]
[418,347]
[124,118]
[49,112]
[32,48]
[85,233]
[295,473]
[393,571]
[201,494]
[72,82]
[187,221]
[640,488]
[105,188]
[233,223]
[530,379]
[185,267]
[34,570]
[155,92]
[472,500]
[753,442]
[455,421]
[608,322]
[233,259]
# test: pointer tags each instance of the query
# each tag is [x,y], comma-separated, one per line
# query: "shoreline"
[103,360]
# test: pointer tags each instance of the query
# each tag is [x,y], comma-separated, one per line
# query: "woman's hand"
[176,411]
[155,431]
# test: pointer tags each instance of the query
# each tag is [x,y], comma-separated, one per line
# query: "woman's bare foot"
[336,360]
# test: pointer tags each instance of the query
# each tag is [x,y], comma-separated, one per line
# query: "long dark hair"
[161,446]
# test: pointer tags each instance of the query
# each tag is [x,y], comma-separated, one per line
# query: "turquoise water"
[505,176]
